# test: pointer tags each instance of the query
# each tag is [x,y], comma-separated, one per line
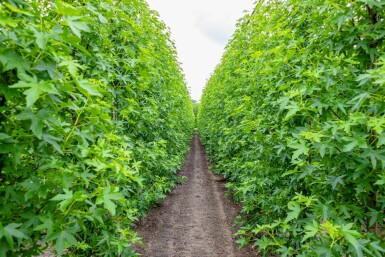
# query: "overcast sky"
[200,30]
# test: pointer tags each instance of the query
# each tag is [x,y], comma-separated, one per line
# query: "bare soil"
[196,219]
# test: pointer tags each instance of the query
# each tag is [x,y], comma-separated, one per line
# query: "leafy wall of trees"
[95,119]
[294,115]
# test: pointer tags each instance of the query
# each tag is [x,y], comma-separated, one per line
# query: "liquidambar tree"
[95,119]
[294,115]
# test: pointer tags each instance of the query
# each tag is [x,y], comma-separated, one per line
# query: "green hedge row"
[294,115]
[95,120]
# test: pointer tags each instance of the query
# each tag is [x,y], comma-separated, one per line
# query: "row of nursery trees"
[294,116]
[95,119]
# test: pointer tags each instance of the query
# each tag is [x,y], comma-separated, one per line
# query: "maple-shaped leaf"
[35,89]
[12,60]
[86,87]
[295,210]
[76,25]
[108,195]
[11,231]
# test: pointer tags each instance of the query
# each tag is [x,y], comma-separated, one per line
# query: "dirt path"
[196,219]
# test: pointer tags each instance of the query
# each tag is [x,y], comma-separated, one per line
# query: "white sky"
[200,30]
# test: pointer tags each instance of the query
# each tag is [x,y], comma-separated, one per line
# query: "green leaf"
[322,150]
[37,121]
[324,251]
[64,239]
[72,66]
[86,176]
[5,137]
[76,26]
[98,214]
[350,146]
[67,9]
[293,109]
[376,245]
[381,181]
[311,230]
[12,60]
[102,19]
[373,217]
[285,251]
[243,241]
[381,140]
[88,88]
[295,210]
[46,225]
[264,243]
[355,141]
[107,197]
[350,235]
[335,181]
[301,148]
[17,10]
[11,231]
[7,21]
[65,199]
[36,89]
[41,38]
[53,141]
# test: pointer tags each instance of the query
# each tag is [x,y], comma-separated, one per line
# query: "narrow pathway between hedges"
[196,219]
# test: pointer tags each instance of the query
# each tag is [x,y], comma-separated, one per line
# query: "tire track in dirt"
[196,219]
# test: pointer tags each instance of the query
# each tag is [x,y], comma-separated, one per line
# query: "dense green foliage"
[294,115]
[95,120]
[195,108]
